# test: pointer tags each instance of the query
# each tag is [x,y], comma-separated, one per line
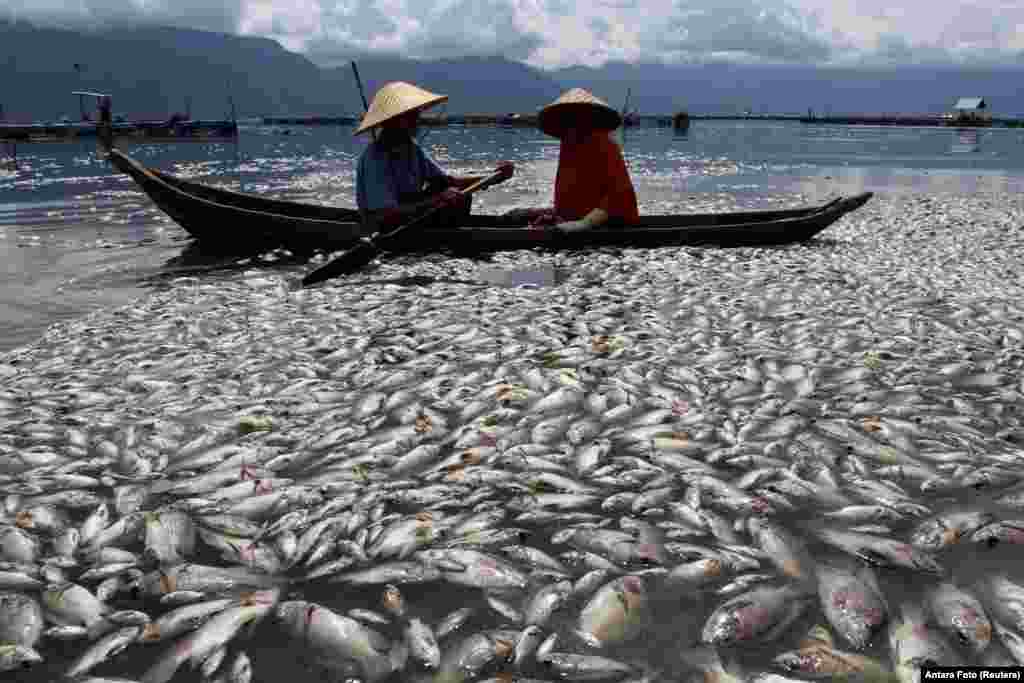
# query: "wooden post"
[234,123]
[362,94]
[105,126]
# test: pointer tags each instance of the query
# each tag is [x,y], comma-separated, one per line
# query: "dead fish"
[1004,531]
[1005,600]
[960,613]
[21,619]
[883,552]
[105,648]
[17,657]
[817,658]
[762,614]
[947,529]
[914,644]
[787,552]
[574,667]
[852,602]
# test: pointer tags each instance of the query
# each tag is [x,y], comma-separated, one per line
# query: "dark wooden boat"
[754,228]
[222,219]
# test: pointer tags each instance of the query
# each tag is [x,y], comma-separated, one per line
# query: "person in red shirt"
[592,185]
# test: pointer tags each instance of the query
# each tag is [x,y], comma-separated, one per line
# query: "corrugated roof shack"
[971,111]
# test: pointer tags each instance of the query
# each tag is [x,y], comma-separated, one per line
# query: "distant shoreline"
[219,130]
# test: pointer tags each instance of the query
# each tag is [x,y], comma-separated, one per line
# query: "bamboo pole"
[362,94]
[234,123]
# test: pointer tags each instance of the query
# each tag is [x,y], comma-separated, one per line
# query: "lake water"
[75,235]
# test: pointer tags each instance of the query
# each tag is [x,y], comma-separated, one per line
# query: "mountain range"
[153,72]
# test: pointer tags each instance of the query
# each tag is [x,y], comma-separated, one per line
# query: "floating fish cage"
[149,130]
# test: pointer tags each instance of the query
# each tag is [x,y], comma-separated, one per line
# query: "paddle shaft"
[465,192]
[362,94]
[367,250]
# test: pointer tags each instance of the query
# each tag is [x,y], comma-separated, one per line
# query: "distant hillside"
[151,72]
[474,85]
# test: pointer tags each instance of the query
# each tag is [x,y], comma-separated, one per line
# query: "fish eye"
[964,640]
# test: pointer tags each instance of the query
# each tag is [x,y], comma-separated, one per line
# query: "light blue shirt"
[383,175]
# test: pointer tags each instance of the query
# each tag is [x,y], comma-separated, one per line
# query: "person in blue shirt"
[396,181]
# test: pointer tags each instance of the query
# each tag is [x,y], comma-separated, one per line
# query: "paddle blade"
[349,262]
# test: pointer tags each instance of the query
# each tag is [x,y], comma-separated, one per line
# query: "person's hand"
[572,226]
[449,197]
[548,218]
[507,169]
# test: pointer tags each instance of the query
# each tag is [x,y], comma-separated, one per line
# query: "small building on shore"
[971,111]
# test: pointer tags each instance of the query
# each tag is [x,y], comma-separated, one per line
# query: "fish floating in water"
[456,483]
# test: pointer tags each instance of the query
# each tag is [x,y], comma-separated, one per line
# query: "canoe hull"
[232,221]
[491,238]
[223,220]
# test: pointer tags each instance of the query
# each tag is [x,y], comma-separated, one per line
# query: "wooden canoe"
[754,228]
[239,222]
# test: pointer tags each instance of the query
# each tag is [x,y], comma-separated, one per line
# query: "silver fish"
[960,613]
[852,603]
[762,614]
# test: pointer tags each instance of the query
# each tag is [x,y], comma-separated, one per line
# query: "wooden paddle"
[368,248]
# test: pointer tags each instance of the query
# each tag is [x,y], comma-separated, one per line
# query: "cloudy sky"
[553,33]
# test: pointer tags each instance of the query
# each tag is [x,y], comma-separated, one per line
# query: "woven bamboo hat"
[562,113]
[395,99]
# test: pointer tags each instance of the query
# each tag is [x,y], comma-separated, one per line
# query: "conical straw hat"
[395,99]
[560,114]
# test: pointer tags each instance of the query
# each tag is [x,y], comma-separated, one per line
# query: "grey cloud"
[692,30]
[363,20]
[482,27]
[559,8]
[215,15]
[894,47]
[745,29]
[600,27]
[469,27]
